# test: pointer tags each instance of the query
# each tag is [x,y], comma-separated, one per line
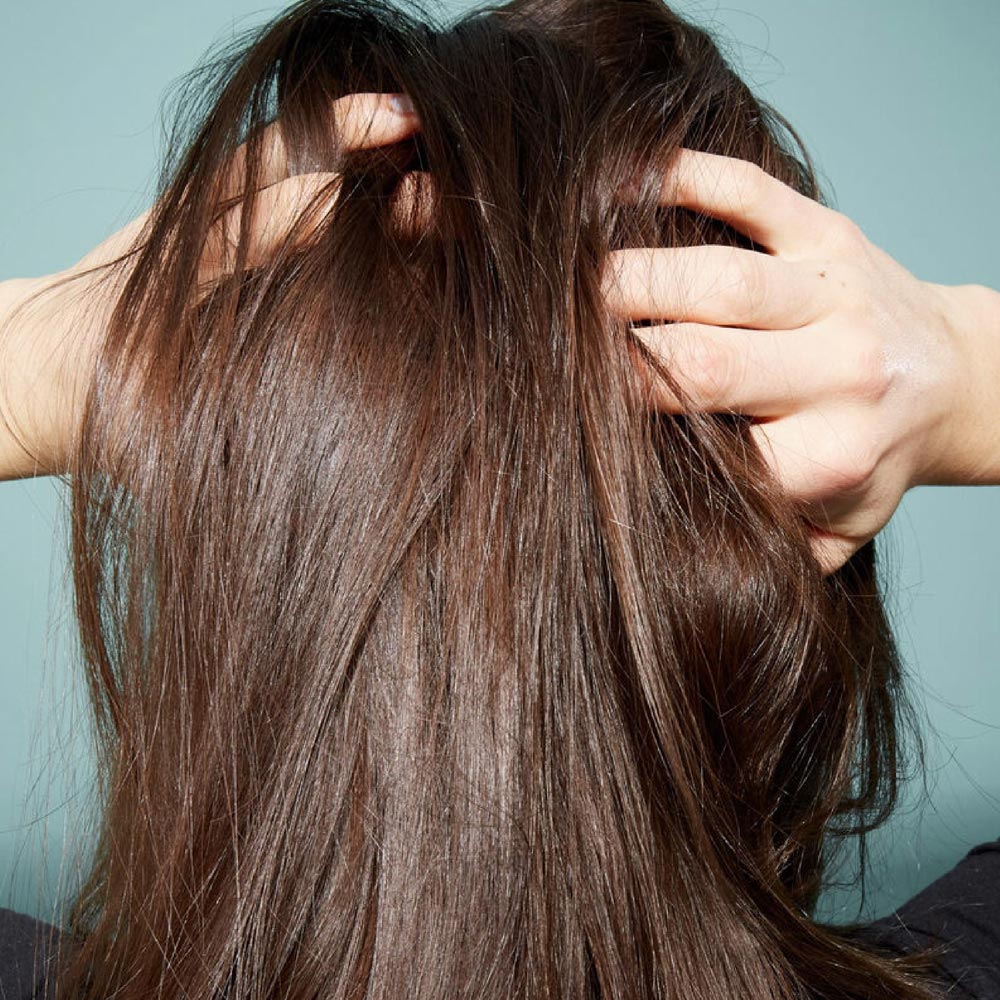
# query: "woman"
[450,634]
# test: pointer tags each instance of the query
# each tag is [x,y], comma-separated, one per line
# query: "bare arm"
[35,409]
[975,445]
[48,346]
[864,380]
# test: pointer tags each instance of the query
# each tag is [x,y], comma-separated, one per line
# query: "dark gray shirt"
[960,909]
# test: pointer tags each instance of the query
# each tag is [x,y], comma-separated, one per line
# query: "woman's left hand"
[51,327]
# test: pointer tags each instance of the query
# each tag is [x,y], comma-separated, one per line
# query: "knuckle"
[851,466]
[845,234]
[711,370]
[870,373]
[752,181]
[865,460]
[753,288]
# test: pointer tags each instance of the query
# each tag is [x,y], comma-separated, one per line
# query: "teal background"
[898,102]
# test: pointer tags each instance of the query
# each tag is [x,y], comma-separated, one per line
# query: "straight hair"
[426,659]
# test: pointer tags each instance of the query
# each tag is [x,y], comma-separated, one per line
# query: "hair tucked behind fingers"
[426,660]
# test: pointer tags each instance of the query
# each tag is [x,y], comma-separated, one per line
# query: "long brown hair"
[426,660]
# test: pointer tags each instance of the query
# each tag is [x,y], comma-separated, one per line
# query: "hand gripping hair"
[427,660]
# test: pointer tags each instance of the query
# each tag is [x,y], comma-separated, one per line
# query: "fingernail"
[402,104]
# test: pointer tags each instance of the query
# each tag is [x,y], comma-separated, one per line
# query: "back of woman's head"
[428,661]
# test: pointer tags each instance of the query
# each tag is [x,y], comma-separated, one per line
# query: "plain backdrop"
[898,102]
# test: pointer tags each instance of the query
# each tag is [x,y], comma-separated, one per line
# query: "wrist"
[34,418]
[968,451]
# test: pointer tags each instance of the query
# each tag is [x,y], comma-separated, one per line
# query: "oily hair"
[427,659]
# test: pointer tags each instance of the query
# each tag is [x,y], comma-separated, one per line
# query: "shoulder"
[961,910]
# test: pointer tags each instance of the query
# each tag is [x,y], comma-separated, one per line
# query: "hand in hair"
[863,380]
[50,326]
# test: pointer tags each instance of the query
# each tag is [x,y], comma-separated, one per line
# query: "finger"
[763,373]
[830,492]
[818,460]
[298,203]
[721,285]
[801,453]
[362,121]
[365,121]
[832,550]
[117,244]
[751,200]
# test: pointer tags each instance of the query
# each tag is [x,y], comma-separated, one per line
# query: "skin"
[47,344]
[862,380]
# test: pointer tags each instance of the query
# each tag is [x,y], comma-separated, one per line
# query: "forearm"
[972,452]
[35,411]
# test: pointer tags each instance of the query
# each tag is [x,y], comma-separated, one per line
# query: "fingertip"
[401,104]
[398,117]
[365,120]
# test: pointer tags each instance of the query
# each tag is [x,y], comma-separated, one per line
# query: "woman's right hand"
[862,380]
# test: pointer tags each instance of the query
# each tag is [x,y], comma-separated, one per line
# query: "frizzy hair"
[427,660]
